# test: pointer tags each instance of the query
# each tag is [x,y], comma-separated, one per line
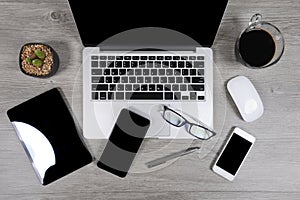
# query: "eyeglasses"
[196,130]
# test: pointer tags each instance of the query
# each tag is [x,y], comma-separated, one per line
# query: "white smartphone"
[233,154]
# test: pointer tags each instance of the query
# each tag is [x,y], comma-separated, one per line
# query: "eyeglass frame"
[187,122]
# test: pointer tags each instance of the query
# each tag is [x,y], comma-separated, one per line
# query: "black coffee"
[257,47]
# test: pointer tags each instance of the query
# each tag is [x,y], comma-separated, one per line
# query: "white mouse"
[246,98]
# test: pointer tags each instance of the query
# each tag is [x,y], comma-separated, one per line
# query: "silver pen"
[164,159]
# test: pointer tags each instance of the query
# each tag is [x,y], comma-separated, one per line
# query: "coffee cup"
[260,45]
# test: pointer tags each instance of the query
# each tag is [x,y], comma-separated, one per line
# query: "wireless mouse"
[245,98]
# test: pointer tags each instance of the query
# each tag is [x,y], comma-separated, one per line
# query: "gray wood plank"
[271,170]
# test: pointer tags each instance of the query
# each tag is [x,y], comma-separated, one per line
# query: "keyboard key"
[161,72]
[179,79]
[184,58]
[120,87]
[106,72]
[192,72]
[177,72]
[111,57]
[110,64]
[148,79]
[198,64]
[168,57]
[116,79]
[187,79]
[132,79]
[127,57]
[144,58]
[102,64]
[145,72]
[122,72]
[138,72]
[168,87]
[153,72]
[134,64]
[96,79]
[151,87]
[114,71]
[200,57]
[193,95]
[169,72]
[192,57]
[128,87]
[185,98]
[96,71]
[150,64]
[144,87]
[124,79]
[110,95]
[173,64]
[194,87]
[119,58]
[140,79]
[197,80]
[159,57]
[200,72]
[144,95]
[151,57]
[108,79]
[118,64]
[103,57]
[136,87]
[95,63]
[168,95]
[175,87]
[103,95]
[155,79]
[163,79]
[95,95]
[142,64]
[159,87]
[188,64]
[95,57]
[200,97]
[171,79]
[176,57]
[126,64]
[165,64]
[135,57]
[130,72]
[182,87]
[157,64]
[112,87]
[119,95]
[180,64]
[185,72]
[99,87]
[177,95]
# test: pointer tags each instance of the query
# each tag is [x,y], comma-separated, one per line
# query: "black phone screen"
[234,154]
[123,143]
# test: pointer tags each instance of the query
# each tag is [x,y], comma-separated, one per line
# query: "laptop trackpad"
[158,126]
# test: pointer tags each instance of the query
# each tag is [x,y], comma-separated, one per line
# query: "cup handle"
[255,18]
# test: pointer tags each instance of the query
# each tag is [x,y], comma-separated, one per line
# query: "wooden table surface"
[272,170]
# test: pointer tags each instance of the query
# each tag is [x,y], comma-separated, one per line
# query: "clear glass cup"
[260,45]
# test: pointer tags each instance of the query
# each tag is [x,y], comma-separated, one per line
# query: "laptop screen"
[97,20]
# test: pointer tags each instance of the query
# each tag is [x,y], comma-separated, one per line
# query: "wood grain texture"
[272,170]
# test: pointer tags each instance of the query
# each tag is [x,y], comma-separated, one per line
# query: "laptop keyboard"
[145,77]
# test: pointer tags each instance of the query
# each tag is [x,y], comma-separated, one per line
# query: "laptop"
[142,55]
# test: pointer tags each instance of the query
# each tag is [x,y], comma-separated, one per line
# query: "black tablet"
[47,131]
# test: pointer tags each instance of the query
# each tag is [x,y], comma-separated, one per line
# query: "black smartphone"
[124,142]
